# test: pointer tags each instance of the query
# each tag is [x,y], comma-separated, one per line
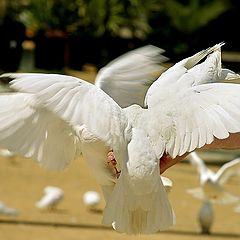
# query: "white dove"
[51,198]
[52,118]
[212,184]
[91,199]
[206,217]
[5,210]
[6,153]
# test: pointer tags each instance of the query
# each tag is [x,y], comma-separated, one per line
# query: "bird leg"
[113,163]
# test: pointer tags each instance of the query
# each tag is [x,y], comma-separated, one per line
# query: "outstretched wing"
[229,169]
[187,73]
[202,169]
[33,131]
[43,120]
[194,117]
[127,78]
[190,107]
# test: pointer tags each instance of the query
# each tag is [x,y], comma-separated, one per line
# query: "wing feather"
[203,113]
[45,119]
[78,103]
[127,78]
[35,132]
[229,169]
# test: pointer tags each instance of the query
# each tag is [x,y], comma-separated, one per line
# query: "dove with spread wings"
[52,118]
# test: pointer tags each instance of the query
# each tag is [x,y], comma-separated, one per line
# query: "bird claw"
[113,163]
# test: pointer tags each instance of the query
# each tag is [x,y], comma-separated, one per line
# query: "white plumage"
[91,199]
[212,184]
[212,189]
[127,78]
[167,183]
[51,198]
[206,217]
[5,210]
[6,153]
[9,155]
[60,116]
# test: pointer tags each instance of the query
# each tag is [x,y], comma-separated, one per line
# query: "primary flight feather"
[127,78]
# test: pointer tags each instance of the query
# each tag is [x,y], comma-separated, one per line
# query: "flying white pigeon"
[51,198]
[58,117]
[5,210]
[206,217]
[212,184]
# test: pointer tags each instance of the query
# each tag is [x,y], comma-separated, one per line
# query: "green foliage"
[124,18]
[197,13]
[101,16]
[127,18]
[49,14]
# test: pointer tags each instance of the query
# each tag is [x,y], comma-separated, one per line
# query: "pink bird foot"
[113,163]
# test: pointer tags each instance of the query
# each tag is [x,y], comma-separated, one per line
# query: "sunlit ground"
[23,182]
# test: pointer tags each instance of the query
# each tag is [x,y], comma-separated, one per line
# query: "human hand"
[166,161]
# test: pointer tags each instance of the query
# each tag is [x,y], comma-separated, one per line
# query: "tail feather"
[133,213]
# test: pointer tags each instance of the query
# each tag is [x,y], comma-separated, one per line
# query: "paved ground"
[22,182]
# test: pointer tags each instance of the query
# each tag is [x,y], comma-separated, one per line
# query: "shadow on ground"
[101,227]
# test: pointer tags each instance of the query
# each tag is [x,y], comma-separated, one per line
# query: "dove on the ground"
[91,199]
[51,198]
[5,210]
[206,217]
[6,153]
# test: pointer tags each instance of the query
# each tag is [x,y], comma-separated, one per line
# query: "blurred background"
[58,34]
[78,37]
